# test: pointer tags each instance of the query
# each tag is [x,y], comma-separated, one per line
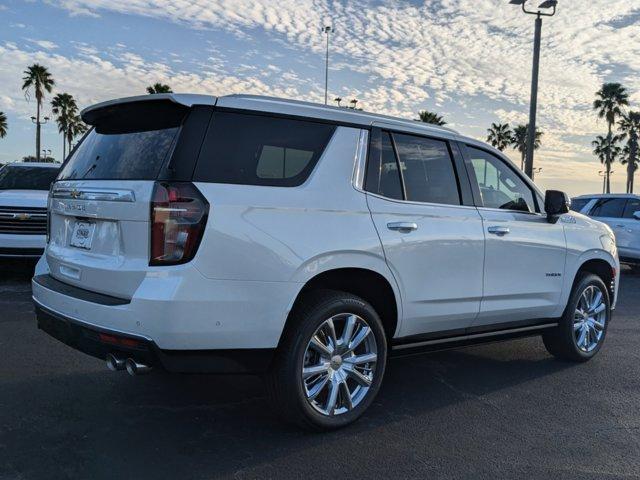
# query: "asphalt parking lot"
[498,411]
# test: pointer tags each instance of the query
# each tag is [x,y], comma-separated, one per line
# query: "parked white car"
[622,213]
[24,188]
[251,234]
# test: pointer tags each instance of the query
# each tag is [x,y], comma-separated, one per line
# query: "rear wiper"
[91,168]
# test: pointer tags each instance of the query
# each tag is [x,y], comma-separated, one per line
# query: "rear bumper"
[98,342]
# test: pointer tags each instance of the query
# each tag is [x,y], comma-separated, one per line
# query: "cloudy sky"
[468,60]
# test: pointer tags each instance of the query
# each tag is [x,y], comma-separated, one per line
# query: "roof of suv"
[282,106]
[33,164]
[609,195]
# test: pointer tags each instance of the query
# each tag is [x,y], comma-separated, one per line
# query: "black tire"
[561,341]
[284,381]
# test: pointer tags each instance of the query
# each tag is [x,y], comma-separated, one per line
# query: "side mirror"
[556,203]
[636,215]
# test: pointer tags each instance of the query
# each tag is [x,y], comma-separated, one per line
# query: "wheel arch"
[371,285]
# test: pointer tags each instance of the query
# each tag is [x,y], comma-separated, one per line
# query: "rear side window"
[383,175]
[578,204]
[427,170]
[609,207]
[261,150]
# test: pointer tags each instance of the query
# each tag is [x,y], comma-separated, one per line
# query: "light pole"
[603,174]
[38,124]
[531,134]
[327,30]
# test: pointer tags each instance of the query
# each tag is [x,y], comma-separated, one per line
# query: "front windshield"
[27,178]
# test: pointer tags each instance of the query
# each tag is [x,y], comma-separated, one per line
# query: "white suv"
[622,213]
[256,235]
[23,207]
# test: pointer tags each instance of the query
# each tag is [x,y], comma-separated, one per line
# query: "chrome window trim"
[360,160]
[426,204]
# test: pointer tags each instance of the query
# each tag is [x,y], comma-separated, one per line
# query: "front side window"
[427,170]
[633,206]
[261,150]
[500,187]
[609,207]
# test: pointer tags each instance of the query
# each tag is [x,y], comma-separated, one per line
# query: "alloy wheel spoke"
[596,301]
[349,327]
[346,395]
[332,399]
[360,359]
[318,387]
[582,337]
[359,338]
[314,370]
[317,344]
[577,325]
[358,377]
[330,327]
[598,326]
[598,309]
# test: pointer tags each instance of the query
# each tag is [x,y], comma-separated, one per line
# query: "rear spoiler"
[164,101]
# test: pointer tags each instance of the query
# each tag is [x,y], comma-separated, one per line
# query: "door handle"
[405,227]
[500,231]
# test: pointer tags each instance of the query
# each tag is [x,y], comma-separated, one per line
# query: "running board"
[469,339]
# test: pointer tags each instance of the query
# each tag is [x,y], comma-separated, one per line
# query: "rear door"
[432,240]
[99,228]
[631,222]
[525,254]
[610,210]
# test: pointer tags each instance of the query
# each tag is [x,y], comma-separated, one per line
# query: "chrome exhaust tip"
[115,363]
[135,368]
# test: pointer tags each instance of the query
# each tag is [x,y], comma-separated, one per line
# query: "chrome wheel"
[339,364]
[590,318]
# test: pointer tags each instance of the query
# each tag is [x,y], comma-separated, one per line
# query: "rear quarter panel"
[291,234]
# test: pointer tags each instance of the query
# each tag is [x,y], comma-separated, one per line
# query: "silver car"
[622,213]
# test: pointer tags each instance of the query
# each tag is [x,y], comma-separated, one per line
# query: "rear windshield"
[27,178]
[129,141]
[120,156]
[261,150]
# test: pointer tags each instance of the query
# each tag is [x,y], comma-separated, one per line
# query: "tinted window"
[383,176]
[500,186]
[578,204]
[633,205]
[427,170]
[135,155]
[609,207]
[27,178]
[261,150]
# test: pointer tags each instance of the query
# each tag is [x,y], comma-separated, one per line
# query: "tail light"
[178,218]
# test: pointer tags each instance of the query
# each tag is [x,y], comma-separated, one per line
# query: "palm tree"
[431,117]
[499,135]
[37,77]
[611,98]
[75,127]
[3,125]
[64,107]
[630,127]
[159,88]
[519,141]
[606,149]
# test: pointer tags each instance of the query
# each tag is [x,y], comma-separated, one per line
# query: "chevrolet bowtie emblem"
[75,194]
[22,216]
